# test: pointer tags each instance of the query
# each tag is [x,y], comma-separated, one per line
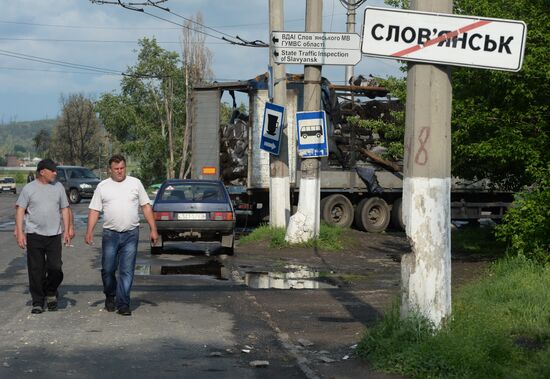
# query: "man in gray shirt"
[44,201]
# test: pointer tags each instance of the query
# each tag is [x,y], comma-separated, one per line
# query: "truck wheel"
[397,215]
[74,196]
[337,210]
[372,215]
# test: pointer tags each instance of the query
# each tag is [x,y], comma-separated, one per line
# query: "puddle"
[293,277]
[212,269]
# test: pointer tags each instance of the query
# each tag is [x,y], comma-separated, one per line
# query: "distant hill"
[16,137]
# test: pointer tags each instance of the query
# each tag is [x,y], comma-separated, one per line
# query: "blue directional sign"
[272,127]
[312,134]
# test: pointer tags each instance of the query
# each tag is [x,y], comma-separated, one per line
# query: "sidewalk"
[320,327]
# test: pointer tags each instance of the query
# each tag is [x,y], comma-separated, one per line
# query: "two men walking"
[43,207]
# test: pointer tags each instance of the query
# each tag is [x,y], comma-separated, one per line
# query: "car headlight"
[85,185]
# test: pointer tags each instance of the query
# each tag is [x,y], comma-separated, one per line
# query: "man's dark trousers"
[44,266]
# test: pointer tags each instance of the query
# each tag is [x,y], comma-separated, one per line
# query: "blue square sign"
[312,134]
[272,127]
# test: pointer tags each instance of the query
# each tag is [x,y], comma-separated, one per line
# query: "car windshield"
[82,173]
[7,180]
[193,192]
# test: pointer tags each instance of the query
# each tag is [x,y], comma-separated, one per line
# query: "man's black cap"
[46,163]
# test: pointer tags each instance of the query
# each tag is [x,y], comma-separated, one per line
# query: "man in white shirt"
[119,198]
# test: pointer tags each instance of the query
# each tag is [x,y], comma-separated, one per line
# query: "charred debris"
[350,146]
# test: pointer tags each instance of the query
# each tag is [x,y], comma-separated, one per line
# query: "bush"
[526,227]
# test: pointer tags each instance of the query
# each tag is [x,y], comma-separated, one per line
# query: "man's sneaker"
[37,309]
[110,303]
[51,302]
[124,311]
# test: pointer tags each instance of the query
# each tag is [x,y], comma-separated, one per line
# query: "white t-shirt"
[119,202]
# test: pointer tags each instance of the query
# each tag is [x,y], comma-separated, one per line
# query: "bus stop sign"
[312,134]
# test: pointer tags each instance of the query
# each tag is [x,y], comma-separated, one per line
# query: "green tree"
[77,133]
[42,141]
[146,118]
[500,125]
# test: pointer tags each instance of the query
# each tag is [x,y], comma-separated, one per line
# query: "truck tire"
[372,215]
[337,210]
[397,214]
[74,196]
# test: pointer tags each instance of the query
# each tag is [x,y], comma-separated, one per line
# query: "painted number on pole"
[271,128]
[444,39]
[312,134]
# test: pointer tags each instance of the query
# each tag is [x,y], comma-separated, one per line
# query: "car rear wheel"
[74,196]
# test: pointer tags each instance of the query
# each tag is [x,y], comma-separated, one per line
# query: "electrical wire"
[234,40]
[78,66]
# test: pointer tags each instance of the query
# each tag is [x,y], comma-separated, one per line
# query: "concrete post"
[305,224]
[350,28]
[279,185]
[426,272]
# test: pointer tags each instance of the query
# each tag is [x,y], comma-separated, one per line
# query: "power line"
[96,41]
[56,71]
[234,40]
[34,58]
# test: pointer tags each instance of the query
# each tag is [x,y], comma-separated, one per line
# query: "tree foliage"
[146,117]
[77,134]
[500,124]
[500,119]
[42,141]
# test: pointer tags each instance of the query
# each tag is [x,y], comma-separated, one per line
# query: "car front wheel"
[74,196]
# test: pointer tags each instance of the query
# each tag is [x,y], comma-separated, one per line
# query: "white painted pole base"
[279,202]
[304,224]
[426,272]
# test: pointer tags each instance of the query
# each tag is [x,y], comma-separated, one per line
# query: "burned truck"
[358,185]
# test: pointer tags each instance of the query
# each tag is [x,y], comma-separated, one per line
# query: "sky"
[104,37]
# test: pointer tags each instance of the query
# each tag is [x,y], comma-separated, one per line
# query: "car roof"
[63,166]
[192,181]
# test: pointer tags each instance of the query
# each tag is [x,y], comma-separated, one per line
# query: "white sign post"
[316,48]
[444,38]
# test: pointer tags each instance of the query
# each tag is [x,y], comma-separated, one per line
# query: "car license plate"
[6,188]
[191,216]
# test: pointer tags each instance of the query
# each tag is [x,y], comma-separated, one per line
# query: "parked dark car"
[79,182]
[194,210]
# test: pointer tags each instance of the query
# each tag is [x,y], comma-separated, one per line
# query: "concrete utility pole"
[426,272]
[304,225]
[279,186]
[350,28]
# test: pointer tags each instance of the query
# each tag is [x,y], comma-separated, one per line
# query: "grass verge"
[500,328]
[477,241]
[331,238]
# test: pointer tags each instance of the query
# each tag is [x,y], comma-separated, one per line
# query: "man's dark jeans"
[44,266]
[119,251]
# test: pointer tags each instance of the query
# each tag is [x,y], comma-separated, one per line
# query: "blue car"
[194,210]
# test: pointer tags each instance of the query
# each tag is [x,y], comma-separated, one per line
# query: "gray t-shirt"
[43,203]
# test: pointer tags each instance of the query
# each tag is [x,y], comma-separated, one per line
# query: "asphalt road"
[182,325]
